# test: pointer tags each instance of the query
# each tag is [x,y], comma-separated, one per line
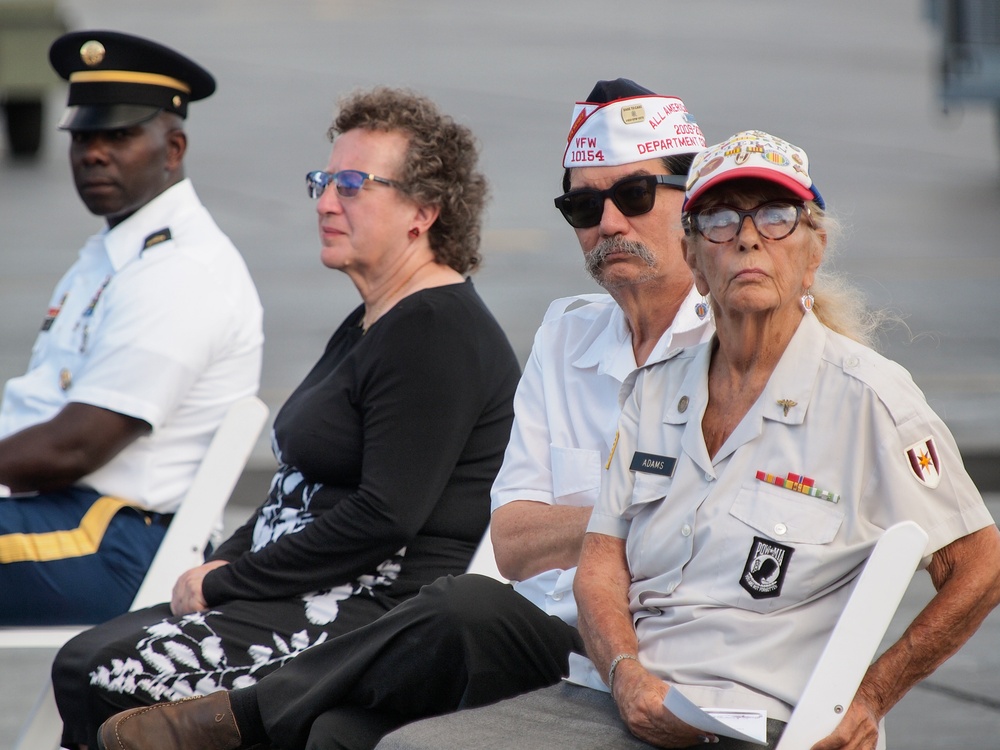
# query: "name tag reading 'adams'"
[650,463]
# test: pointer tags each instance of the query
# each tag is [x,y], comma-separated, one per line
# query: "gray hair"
[839,304]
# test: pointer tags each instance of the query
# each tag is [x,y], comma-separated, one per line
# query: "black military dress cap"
[118,80]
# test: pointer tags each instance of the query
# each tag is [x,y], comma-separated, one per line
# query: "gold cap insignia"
[177,101]
[92,53]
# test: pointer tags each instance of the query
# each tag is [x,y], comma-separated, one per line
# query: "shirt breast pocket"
[576,475]
[775,547]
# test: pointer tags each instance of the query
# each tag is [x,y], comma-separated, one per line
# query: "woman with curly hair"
[386,450]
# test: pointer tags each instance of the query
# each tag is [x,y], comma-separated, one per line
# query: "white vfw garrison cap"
[622,122]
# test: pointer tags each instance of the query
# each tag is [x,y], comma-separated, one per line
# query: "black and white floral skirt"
[150,656]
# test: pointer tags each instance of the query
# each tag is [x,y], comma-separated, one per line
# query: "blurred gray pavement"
[852,81]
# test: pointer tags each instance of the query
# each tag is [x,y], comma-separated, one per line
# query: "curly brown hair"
[439,168]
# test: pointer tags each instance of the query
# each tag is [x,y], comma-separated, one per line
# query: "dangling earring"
[808,301]
[701,308]
[414,233]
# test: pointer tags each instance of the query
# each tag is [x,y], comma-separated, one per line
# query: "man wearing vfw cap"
[470,640]
[148,338]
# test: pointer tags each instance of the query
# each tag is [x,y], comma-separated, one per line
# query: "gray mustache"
[595,259]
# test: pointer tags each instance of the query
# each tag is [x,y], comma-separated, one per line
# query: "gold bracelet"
[614,665]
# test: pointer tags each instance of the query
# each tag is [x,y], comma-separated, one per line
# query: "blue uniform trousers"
[72,557]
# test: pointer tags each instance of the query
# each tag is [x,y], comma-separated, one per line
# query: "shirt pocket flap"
[648,488]
[784,517]
[575,470]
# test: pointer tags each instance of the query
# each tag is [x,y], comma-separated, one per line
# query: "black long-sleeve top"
[392,441]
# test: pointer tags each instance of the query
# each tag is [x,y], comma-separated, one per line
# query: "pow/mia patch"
[765,570]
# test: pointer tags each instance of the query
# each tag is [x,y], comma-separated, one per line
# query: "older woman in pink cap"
[722,578]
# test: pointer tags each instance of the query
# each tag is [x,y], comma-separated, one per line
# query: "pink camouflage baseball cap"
[752,153]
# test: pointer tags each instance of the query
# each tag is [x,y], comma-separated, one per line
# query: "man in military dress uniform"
[148,339]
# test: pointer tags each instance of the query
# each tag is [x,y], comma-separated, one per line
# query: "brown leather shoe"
[204,722]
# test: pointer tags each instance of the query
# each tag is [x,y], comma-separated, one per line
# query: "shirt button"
[685,530]
[708,477]
[780,529]
[852,362]
[558,596]
[682,405]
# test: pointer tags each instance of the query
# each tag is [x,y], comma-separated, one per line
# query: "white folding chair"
[856,636]
[483,561]
[182,548]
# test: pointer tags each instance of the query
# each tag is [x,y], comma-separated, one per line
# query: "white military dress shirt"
[565,414]
[158,319]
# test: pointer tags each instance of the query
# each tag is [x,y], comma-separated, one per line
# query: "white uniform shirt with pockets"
[737,581]
[566,411]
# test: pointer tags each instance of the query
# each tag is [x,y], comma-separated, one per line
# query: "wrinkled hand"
[858,730]
[187,595]
[639,696]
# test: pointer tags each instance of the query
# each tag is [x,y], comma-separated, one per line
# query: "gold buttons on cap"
[177,101]
[92,53]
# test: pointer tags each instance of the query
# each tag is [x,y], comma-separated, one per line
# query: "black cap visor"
[87,117]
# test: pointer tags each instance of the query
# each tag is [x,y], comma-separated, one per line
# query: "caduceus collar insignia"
[786,404]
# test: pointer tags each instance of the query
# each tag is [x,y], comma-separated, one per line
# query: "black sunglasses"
[632,196]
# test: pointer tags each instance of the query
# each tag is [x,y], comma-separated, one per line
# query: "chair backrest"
[184,544]
[484,561]
[856,636]
[187,536]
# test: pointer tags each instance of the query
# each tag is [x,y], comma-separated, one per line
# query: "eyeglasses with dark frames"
[632,196]
[774,220]
[348,182]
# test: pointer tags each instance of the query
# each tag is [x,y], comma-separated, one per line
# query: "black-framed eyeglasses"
[774,220]
[347,181]
[632,196]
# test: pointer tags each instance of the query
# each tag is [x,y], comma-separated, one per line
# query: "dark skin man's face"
[119,171]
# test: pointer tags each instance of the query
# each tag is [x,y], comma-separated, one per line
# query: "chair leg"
[41,730]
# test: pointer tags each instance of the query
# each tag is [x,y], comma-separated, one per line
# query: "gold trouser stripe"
[128,76]
[59,545]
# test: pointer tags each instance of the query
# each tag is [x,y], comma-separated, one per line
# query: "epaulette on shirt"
[158,237]
[889,381]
